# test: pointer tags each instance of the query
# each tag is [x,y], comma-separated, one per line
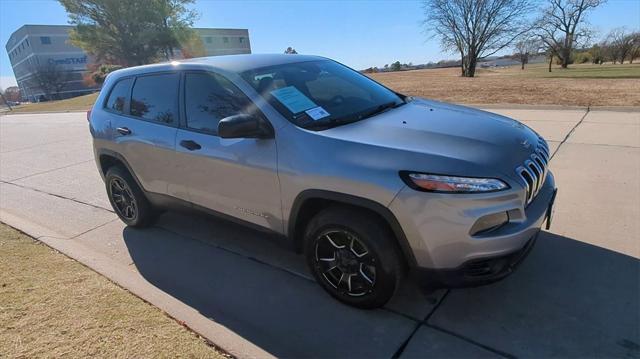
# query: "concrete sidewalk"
[576,295]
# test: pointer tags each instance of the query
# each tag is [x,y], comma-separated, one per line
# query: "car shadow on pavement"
[568,298]
[278,310]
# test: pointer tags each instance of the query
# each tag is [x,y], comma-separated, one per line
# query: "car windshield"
[321,94]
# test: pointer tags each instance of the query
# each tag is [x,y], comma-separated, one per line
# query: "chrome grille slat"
[534,170]
[543,166]
[531,183]
[537,172]
[544,155]
[542,159]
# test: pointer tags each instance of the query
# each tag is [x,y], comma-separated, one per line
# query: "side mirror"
[244,126]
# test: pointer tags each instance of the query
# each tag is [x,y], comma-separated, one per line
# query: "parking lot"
[576,295]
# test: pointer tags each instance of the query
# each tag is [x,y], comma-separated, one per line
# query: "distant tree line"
[9,96]
[477,29]
[618,46]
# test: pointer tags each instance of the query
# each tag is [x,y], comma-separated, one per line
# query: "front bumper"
[437,228]
[475,272]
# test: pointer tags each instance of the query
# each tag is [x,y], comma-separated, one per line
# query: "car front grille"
[534,170]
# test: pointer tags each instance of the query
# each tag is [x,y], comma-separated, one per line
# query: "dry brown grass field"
[52,306]
[580,85]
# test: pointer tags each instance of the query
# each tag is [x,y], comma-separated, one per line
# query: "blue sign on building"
[68,61]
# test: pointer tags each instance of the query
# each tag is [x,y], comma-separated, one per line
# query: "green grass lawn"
[80,103]
[585,71]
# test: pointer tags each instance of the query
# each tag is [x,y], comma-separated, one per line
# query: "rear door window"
[155,98]
[119,96]
[209,98]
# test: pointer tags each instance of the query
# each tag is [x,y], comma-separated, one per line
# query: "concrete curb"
[556,107]
[5,113]
[133,282]
[616,108]
[514,106]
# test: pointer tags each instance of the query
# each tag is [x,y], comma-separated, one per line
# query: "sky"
[359,34]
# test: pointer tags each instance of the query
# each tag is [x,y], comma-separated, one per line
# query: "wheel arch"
[107,158]
[309,202]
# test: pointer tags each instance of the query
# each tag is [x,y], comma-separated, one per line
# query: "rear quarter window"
[119,96]
[155,98]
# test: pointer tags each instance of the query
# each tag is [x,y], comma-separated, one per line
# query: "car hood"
[445,133]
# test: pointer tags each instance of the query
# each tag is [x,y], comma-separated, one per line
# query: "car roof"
[230,63]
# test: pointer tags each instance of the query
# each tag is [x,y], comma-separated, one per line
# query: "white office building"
[34,48]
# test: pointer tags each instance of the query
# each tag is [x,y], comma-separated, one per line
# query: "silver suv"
[370,184]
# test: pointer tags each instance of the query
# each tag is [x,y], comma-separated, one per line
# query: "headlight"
[451,184]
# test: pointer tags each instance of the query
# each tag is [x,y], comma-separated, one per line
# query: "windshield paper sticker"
[317,113]
[293,99]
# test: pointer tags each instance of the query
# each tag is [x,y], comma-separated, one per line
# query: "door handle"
[190,145]
[123,131]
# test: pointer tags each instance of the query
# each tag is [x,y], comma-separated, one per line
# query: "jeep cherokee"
[370,184]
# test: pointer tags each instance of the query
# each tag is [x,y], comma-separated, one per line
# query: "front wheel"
[353,256]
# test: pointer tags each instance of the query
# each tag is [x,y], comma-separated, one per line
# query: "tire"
[127,199]
[353,256]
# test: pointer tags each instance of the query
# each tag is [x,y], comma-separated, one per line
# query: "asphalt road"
[577,295]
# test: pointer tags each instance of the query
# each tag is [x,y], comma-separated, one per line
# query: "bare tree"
[609,52]
[476,28]
[635,51]
[12,93]
[563,26]
[50,78]
[4,100]
[621,44]
[598,52]
[526,47]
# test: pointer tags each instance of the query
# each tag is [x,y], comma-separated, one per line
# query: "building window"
[241,39]
[208,39]
[225,40]
[45,40]
[27,41]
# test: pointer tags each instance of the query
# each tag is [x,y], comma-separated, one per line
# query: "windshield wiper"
[380,109]
[320,125]
[323,125]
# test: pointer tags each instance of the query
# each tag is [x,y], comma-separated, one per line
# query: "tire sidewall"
[143,208]
[377,240]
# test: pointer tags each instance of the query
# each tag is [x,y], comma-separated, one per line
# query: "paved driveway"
[576,295]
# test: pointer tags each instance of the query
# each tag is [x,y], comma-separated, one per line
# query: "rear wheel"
[127,199]
[353,256]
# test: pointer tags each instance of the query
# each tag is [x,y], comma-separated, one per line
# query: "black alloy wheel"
[354,256]
[345,262]
[125,203]
[127,199]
